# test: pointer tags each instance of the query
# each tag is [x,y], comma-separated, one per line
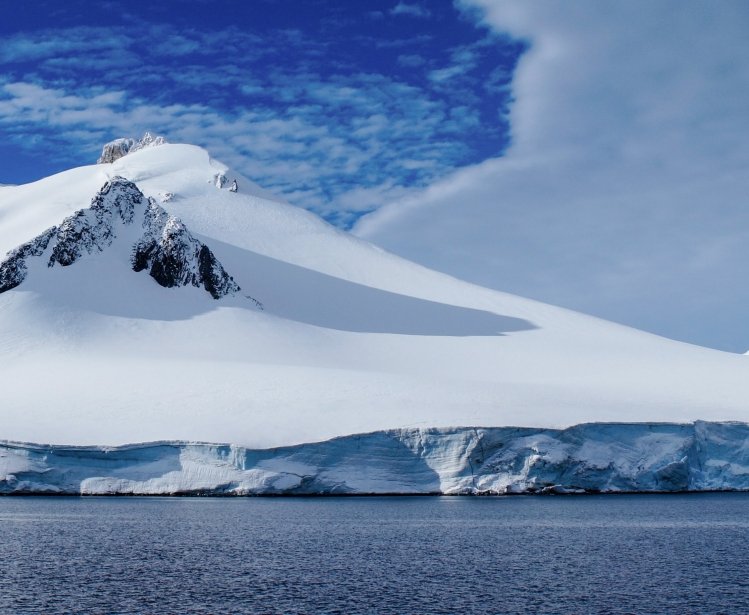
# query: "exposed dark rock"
[215,279]
[167,249]
[175,258]
[13,269]
[91,230]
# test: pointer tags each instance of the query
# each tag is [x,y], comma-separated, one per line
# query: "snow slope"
[350,339]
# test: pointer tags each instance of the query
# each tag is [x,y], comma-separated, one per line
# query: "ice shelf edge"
[586,458]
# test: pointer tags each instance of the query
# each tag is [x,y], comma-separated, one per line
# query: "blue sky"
[338,105]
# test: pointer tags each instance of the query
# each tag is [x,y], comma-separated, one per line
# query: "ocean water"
[588,554]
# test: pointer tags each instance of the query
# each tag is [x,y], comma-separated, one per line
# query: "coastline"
[592,458]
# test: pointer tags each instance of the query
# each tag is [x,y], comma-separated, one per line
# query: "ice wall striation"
[589,458]
[167,249]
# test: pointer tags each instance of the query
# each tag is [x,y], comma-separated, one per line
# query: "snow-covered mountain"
[142,300]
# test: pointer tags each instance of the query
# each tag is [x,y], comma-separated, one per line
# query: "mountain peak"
[166,248]
[114,150]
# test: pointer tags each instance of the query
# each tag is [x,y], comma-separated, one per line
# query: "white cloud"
[625,191]
[445,74]
[412,10]
[411,60]
[83,40]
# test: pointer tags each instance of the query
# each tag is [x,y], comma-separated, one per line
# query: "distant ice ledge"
[588,458]
[114,150]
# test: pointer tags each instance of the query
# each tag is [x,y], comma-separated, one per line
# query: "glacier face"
[587,458]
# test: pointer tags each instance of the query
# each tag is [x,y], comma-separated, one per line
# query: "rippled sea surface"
[589,554]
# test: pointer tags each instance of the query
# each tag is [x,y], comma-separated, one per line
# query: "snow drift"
[131,304]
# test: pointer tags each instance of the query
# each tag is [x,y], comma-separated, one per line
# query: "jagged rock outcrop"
[114,150]
[118,148]
[147,140]
[175,258]
[13,269]
[92,229]
[167,249]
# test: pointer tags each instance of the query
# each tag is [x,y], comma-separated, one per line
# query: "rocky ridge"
[167,249]
[114,150]
[174,257]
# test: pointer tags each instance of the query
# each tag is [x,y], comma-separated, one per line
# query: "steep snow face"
[606,458]
[352,339]
[167,249]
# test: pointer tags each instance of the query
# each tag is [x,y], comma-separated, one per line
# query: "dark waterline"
[594,554]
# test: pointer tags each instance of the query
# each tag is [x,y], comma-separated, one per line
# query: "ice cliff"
[588,458]
[167,249]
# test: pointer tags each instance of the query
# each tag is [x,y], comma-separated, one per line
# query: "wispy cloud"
[411,60]
[80,40]
[288,110]
[410,9]
[360,151]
